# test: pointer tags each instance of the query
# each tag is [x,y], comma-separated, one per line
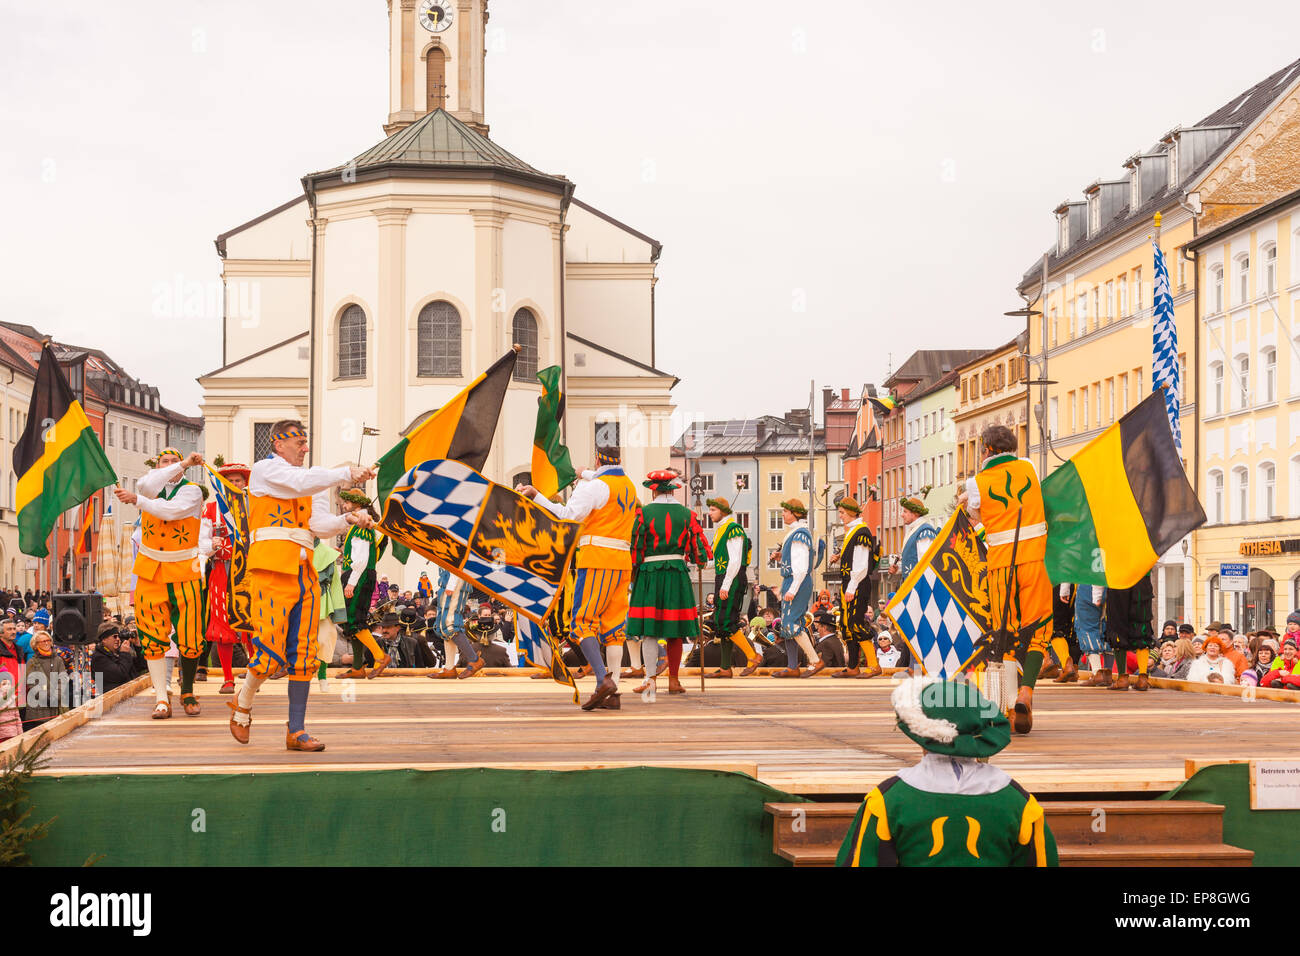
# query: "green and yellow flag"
[461,430]
[1120,503]
[59,460]
[552,468]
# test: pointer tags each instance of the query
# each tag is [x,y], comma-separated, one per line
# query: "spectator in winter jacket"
[49,689]
[112,665]
[1285,671]
[12,688]
[1262,657]
[1175,659]
[1227,641]
[1212,662]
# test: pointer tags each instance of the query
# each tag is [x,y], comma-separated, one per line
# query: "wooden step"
[1172,854]
[1128,833]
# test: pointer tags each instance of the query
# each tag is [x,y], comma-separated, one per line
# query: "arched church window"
[525,336]
[352,343]
[436,78]
[437,341]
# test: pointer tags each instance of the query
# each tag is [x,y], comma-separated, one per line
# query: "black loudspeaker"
[77,617]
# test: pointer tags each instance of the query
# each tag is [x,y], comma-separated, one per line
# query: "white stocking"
[806,646]
[614,661]
[158,674]
[634,653]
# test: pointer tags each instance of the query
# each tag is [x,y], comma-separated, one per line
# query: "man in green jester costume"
[731,555]
[952,808]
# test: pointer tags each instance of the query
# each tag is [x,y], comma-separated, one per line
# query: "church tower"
[436,50]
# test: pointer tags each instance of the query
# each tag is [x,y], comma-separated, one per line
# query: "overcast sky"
[835,184]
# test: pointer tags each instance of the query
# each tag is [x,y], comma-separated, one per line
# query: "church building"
[396,277]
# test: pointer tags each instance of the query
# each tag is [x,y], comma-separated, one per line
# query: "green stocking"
[1033,664]
[189,667]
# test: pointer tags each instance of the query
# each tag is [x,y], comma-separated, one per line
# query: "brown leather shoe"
[603,690]
[1049,671]
[787,672]
[721,672]
[540,675]
[1100,678]
[447,673]
[190,704]
[473,669]
[353,673]
[847,672]
[1069,673]
[633,672]
[752,666]
[1120,683]
[201,674]
[1022,715]
[663,666]
[675,686]
[644,686]
[162,709]
[301,741]
[227,688]
[815,669]
[612,702]
[375,671]
[871,672]
[237,730]
[1142,683]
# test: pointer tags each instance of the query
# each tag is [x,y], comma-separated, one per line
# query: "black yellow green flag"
[58,459]
[461,431]
[552,468]
[1120,503]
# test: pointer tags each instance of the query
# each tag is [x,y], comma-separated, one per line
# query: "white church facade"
[394,279]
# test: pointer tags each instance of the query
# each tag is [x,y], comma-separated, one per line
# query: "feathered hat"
[951,718]
[662,481]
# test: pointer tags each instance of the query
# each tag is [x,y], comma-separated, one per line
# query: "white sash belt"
[613,543]
[168,557]
[663,557]
[1006,537]
[299,536]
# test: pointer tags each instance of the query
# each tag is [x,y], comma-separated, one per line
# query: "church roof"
[439,141]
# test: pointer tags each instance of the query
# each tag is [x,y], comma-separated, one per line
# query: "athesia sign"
[1256,549]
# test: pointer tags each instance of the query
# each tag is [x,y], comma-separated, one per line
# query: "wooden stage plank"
[803,736]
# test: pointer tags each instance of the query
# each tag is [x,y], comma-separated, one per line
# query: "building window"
[525,336]
[742,519]
[108,431]
[975,384]
[1216,387]
[1137,289]
[1083,393]
[1270,269]
[262,440]
[1243,279]
[157,443]
[1241,482]
[125,436]
[776,482]
[1110,395]
[1267,486]
[741,480]
[1269,357]
[708,481]
[1074,413]
[1051,326]
[775,522]
[1053,415]
[352,343]
[1243,381]
[963,391]
[1123,297]
[437,341]
[1216,497]
[1069,319]
[135,439]
[805,480]
[1216,288]
[435,72]
[1110,300]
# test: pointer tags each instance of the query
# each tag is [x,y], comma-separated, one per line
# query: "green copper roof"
[438,140]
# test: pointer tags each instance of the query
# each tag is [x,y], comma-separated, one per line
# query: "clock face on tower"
[435,15]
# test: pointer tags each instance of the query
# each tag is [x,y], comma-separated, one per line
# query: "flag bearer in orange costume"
[169,577]
[1006,497]
[288,507]
[605,501]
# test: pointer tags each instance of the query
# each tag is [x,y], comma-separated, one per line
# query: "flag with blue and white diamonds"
[1165,369]
[941,609]
[504,544]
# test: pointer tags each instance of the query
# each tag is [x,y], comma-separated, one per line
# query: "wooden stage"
[815,737]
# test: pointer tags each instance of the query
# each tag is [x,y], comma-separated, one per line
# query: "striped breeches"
[286,614]
[600,602]
[163,608]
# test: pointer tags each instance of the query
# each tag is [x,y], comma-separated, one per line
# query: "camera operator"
[115,661]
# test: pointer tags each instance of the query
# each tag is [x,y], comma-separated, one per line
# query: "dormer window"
[1062,233]
[1094,213]
[1134,188]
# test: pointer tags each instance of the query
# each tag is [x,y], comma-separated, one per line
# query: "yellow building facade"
[1249,277]
[1094,288]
